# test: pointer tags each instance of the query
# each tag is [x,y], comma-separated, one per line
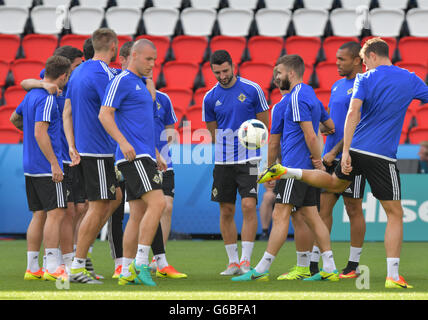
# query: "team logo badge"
[156,179]
[159,105]
[215,192]
[350,91]
[113,189]
[242,97]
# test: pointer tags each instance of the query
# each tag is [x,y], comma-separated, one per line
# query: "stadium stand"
[186,32]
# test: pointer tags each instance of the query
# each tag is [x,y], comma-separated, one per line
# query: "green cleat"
[274,172]
[296,273]
[324,276]
[131,279]
[144,276]
[252,275]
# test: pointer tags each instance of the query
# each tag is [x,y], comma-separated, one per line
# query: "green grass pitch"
[204,260]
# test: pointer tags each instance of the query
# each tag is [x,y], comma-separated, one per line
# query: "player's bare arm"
[67,120]
[274,146]
[352,119]
[212,126]
[45,145]
[106,117]
[311,140]
[16,120]
[50,87]
[263,117]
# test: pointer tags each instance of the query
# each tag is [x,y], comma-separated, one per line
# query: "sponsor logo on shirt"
[137,87]
[218,103]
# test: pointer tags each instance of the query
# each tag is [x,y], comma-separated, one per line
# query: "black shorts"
[297,193]
[68,182]
[355,190]
[141,176]
[44,194]
[99,177]
[382,175]
[168,185]
[230,178]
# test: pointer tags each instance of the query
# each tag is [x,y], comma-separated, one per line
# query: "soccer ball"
[253,134]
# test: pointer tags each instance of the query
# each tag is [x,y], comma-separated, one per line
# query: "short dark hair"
[69,52]
[353,47]
[220,57]
[125,50]
[375,45]
[88,49]
[294,62]
[57,66]
[102,39]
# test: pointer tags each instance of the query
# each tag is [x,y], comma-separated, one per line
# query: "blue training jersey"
[230,107]
[341,93]
[86,89]
[301,105]
[164,116]
[39,105]
[386,92]
[277,115]
[134,113]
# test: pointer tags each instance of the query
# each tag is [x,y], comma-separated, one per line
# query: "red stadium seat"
[179,114]
[306,47]
[14,95]
[9,44]
[419,69]
[234,45]
[39,46]
[180,74]
[5,113]
[275,96]
[115,65]
[194,115]
[208,76]
[332,44]
[324,96]
[258,72]
[74,40]
[4,70]
[422,116]
[189,48]
[156,71]
[403,137]
[407,120]
[10,135]
[327,74]
[198,96]
[413,49]
[415,105]
[265,49]
[392,44]
[25,69]
[417,135]
[180,97]
[309,69]
[162,44]
[121,40]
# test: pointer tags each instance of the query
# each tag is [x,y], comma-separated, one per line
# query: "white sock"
[292,173]
[44,262]
[247,250]
[161,261]
[125,266]
[328,261]
[232,253]
[33,261]
[52,259]
[142,256]
[354,254]
[60,259]
[303,258]
[315,254]
[68,260]
[78,263]
[74,248]
[117,262]
[265,263]
[392,265]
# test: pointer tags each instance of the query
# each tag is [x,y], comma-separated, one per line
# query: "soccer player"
[230,102]
[299,147]
[39,116]
[371,136]
[72,212]
[349,64]
[127,114]
[91,146]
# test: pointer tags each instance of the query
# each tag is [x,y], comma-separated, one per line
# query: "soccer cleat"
[82,276]
[58,274]
[231,270]
[274,172]
[390,283]
[349,274]
[38,275]
[296,273]
[170,272]
[324,276]
[144,276]
[244,266]
[90,268]
[117,272]
[132,278]
[153,265]
[252,275]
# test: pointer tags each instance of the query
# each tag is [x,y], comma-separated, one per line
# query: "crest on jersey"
[242,97]
[158,105]
[349,91]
